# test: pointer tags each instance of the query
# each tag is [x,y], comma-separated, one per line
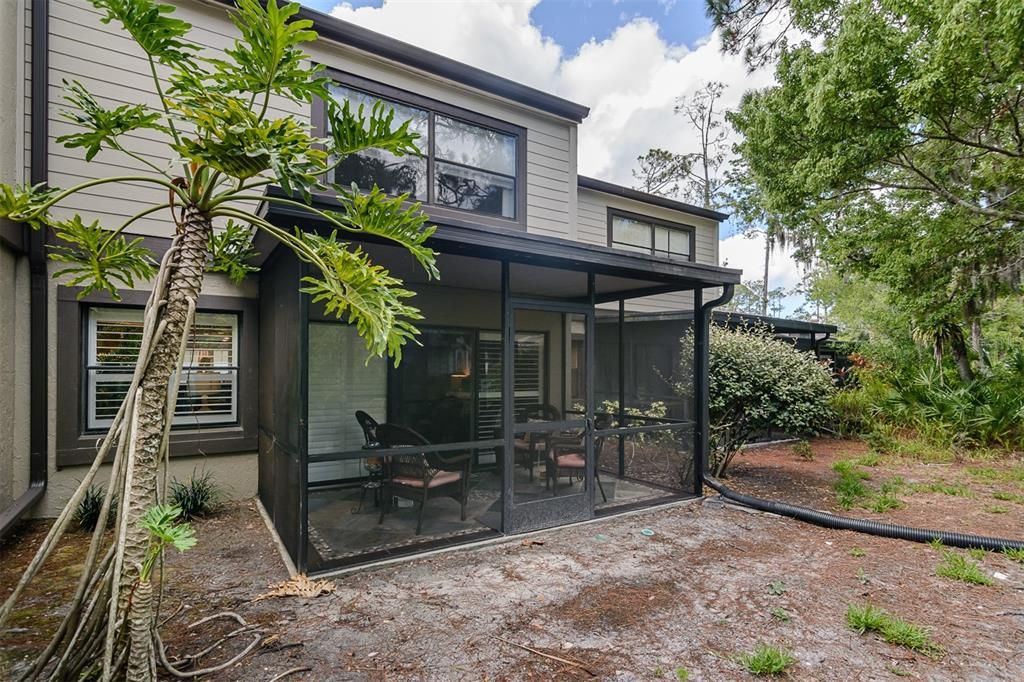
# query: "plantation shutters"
[529,380]
[341,381]
[208,387]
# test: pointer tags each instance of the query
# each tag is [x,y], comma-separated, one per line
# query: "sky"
[628,60]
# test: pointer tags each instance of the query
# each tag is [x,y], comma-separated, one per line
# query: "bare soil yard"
[712,583]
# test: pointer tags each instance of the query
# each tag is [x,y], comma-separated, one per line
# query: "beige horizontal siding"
[113,68]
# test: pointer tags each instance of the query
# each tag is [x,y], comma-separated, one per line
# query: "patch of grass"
[1014,554]
[198,497]
[857,552]
[898,671]
[850,485]
[884,502]
[1004,496]
[767,660]
[872,459]
[936,544]
[943,488]
[958,567]
[776,588]
[977,553]
[802,449]
[892,485]
[780,614]
[893,629]
[682,675]
[1014,474]
[996,509]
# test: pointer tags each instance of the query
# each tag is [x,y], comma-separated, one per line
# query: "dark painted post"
[621,417]
[507,394]
[700,394]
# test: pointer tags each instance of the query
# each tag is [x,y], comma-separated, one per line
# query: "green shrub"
[198,497]
[87,513]
[756,384]
[852,410]
[767,660]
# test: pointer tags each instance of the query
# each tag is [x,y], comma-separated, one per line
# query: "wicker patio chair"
[530,448]
[420,476]
[568,457]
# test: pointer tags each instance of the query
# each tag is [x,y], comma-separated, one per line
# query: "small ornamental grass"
[87,513]
[893,629]
[767,660]
[958,567]
[198,497]
[1014,554]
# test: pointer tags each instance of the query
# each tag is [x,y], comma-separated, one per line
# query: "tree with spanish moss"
[225,148]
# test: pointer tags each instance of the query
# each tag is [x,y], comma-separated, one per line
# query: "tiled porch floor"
[341,528]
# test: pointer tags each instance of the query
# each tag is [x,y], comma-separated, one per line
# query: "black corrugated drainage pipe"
[885,530]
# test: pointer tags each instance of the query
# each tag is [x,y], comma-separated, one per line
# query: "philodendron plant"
[224,148]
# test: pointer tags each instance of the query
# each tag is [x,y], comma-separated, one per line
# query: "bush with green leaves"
[756,383]
[197,497]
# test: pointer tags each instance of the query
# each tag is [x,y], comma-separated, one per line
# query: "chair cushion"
[440,478]
[573,460]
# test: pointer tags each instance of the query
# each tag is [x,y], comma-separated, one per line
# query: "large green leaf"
[22,203]
[362,129]
[267,58]
[95,259]
[102,126]
[149,23]
[231,250]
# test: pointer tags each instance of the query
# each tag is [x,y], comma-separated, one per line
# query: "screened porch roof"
[542,264]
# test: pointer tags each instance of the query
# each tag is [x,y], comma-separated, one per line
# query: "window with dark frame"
[464,165]
[207,389]
[641,234]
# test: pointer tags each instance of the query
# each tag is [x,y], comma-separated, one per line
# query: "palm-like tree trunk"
[184,282]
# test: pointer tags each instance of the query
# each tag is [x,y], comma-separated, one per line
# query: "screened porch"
[492,424]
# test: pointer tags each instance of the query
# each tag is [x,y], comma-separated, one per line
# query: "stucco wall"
[14,282]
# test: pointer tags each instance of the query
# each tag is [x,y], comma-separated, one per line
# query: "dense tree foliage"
[894,144]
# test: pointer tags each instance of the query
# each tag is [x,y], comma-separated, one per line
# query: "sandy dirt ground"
[603,600]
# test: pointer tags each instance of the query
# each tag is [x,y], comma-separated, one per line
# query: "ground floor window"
[207,388]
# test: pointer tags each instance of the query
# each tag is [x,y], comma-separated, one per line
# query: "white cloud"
[747,253]
[630,81]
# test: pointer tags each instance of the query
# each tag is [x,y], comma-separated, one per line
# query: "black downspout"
[701,398]
[38,304]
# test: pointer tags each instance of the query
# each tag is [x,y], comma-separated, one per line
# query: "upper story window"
[466,164]
[634,232]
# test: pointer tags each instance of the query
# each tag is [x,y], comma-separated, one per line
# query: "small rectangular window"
[208,388]
[656,238]
[474,167]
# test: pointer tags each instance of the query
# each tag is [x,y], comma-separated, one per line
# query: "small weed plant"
[942,488]
[1004,496]
[198,497]
[776,588]
[850,485]
[780,614]
[997,509]
[872,459]
[857,552]
[958,567]
[803,450]
[682,675]
[1014,554]
[977,553]
[893,629]
[767,660]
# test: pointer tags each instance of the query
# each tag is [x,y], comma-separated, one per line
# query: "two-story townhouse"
[509,415]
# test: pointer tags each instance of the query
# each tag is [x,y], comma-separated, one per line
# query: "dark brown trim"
[76,445]
[365,40]
[690,230]
[12,235]
[437,212]
[38,278]
[652,199]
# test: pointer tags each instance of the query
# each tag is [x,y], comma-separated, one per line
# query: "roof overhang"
[639,274]
[780,325]
[652,199]
[365,40]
